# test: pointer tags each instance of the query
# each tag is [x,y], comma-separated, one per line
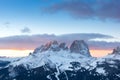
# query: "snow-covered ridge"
[60,56]
[78,46]
[56,54]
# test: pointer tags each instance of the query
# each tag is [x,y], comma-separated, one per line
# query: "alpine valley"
[56,61]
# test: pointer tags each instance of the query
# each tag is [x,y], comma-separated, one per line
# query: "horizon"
[22,53]
[26,24]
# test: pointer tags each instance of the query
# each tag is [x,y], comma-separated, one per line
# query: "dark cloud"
[102,45]
[31,42]
[93,9]
[25,30]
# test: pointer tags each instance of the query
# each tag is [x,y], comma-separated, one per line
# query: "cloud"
[25,30]
[33,41]
[93,9]
[6,24]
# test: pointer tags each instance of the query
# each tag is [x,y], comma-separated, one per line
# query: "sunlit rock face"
[79,46]
[51,46]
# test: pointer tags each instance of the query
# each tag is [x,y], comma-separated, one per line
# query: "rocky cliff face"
[51,46]
[116,51]
[79,46]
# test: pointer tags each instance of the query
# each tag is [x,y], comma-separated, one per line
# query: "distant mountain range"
[56,61]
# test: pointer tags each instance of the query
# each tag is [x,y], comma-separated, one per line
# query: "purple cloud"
[93,9]
[31,42]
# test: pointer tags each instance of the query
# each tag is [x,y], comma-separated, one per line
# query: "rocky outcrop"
[52,46]
[63,46]
[79,46]
[116,50]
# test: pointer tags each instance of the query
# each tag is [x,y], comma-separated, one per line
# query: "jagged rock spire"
[116,50]
[63,46]
[79,46]
[53,46]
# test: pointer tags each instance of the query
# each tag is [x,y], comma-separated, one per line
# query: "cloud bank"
[93,9]
[33,41]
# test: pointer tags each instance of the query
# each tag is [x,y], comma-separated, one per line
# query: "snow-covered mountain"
[56,61]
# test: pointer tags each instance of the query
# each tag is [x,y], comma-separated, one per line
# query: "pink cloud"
[31,42]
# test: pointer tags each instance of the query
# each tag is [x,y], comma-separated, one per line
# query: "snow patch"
[100,71]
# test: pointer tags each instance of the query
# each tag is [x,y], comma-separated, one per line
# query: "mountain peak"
[116,50]
[79,46]
[53,46]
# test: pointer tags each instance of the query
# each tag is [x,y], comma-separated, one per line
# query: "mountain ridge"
[56,61]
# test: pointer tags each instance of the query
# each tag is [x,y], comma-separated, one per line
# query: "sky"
[58,17]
